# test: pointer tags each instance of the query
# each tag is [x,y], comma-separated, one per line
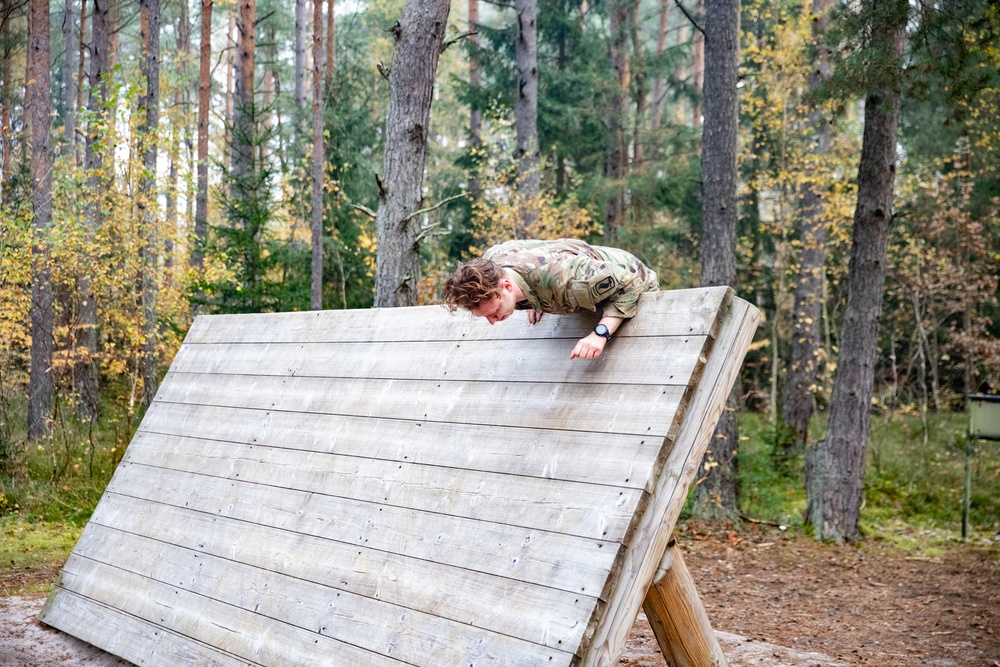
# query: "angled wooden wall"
[402,487]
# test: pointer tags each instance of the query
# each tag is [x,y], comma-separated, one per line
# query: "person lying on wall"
[561,276]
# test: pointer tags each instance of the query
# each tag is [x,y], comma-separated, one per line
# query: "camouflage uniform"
[566,275]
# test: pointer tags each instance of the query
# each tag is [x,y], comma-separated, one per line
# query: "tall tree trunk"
[330,45]
[204,96]
[526,114]
[39,104]
[81,71]
[698,66]
[95,159]
[660,83]
[6,96]
[419,36]
[300,64]
[149,104]
[114,30]
[231,37]
[69,82]
[799,396]
[616,162]
[475,114]
[716,494]
[641,93]
[318,160]
[177,123]
[835,466]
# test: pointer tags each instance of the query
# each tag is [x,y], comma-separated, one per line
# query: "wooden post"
[678,617]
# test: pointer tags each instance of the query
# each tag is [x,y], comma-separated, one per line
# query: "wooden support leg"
[678,617]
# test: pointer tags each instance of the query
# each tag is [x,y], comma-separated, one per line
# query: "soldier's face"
[500,307]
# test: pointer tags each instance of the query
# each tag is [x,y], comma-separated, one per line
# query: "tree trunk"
[475,114]
[698,66]
[641,93]
[659,85]
[616,164]
[716,494]
[419,35]
[39,104]
[149,30]
[231,46]
[330,45]
[69,82]
[526,114]
[799,397]
[6,97]
[113,32]
[204,95]
[81,71]
[300,64]
[177,122]
[95,158]
[318,160]
[835,466]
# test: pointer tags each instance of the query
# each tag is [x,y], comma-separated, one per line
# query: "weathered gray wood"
[687,312]
[492,602]
[403,487]
[630,360]
[536,404]
[642,554]
[352,482]
[618,460]
[382,627]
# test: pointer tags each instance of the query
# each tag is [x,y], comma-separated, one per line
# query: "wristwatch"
[602,330]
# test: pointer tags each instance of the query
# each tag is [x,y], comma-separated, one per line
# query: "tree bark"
[526,114]
[81,71]
[6,96]
[659,84]
[641,92]
[95,158]
[39,104]
[419,37]
[300,63]
[835,466]
[330,45]
[799,397]
[698,66]
[616,162]
[69,82]
[716,496]
[475,114]
[231,45]
[149,105]
[318,160]
[204,95]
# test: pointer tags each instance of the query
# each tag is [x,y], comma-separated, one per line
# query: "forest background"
[173,172]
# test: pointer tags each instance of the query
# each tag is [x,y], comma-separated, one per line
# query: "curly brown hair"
[473,283]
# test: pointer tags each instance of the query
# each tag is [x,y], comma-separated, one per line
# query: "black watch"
[602,330]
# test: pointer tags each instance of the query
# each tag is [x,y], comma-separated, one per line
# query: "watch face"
[602,330]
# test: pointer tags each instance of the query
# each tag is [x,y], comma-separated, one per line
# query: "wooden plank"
[127,636]
[404,633]
[605,409]
[571,508]
[549,559]
[678,618]
[673,313]
[636,360]
[246,634]
[633,575]
[617,460]
[500,604]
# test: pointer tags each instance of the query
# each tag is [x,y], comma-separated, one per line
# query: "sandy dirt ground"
[775,600]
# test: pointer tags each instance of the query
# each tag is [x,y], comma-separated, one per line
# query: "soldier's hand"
[589,347]
[534,316]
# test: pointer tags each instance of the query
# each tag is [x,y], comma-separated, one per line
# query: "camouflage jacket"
[567,275]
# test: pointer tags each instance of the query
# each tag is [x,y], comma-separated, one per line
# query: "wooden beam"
[678,618]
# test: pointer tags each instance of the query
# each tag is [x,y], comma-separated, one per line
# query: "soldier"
[562,276]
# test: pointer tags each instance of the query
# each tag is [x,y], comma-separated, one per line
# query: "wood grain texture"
[402,487]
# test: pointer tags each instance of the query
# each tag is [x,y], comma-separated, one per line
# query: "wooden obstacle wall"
[403,487]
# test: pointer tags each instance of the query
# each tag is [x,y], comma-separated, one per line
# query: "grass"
[913,489]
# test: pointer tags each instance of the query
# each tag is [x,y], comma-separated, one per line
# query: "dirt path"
[776,600]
